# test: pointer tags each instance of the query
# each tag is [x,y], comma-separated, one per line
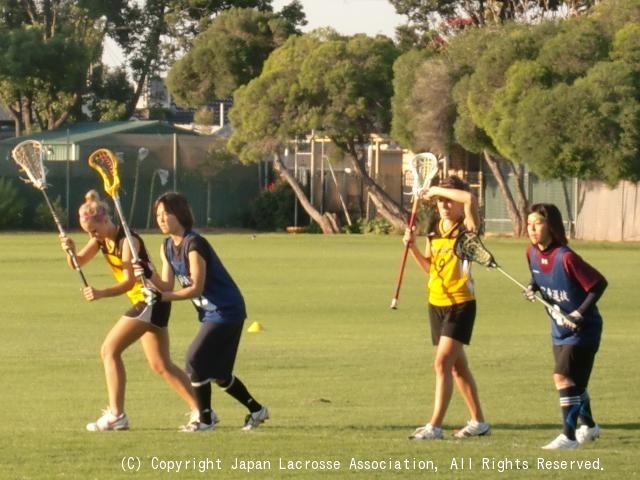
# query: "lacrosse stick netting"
[105,162]
[29,156]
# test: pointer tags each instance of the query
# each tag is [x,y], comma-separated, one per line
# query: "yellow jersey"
[113,256]
[450,281]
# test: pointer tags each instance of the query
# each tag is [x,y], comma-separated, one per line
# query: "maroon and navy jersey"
[221,300]
[565,279]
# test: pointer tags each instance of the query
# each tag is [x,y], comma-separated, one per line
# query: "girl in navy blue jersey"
[191,260]
[573,286]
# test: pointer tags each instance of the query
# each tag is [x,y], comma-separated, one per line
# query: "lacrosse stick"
[468,246]
[29,156]
[424,168]
[105,162]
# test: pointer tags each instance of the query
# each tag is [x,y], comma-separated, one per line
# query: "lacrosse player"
[573,287]
[141,321]
[189,258]
[452,306]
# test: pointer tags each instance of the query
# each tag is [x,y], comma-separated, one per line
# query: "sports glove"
[529,293]
[151,295]
[576,318]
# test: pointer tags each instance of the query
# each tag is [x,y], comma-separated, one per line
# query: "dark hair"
[553,217]
[178,205]
[453,181]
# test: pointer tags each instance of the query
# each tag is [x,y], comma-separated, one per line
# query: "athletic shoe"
[473,428]
[255,419]
[586,434]
[108,421]
[561,442]
[195,425]
[428,432]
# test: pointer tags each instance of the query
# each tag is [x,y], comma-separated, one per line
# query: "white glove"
[569,321]
[529,293]
[576,318]
[151,295]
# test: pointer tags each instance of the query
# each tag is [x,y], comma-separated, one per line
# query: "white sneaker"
[195,425]
[108,421]
[585,434]
[561,442]
[473,428]
[255,419]
[428,432]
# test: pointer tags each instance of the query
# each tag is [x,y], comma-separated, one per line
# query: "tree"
[46,49]
[422,105]
[228,54]
[435,21]
[339,87]
[152,36]
[560,98]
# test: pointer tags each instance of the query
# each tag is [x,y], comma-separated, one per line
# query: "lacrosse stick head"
[29,156]
[468,246]
[105,162]
[424,168]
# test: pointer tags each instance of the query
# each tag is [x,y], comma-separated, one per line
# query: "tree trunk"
[385,205]
[326,222]
[517,210]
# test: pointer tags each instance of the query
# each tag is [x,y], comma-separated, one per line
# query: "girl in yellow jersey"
[452,306]
[141,321]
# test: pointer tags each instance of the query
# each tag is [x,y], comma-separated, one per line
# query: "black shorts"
[156,314]
[574,362]
[212,353]
[455,321]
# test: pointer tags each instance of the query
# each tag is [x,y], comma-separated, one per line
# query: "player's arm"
[88,251]
[164,280]
[423,260]
[121,287]
[589,279]
[467,199]
[197,271]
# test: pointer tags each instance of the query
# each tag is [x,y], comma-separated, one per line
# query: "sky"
[349,17]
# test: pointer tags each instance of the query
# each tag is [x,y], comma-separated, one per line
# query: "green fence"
[223,201]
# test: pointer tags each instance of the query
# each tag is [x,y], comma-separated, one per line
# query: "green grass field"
[344,376]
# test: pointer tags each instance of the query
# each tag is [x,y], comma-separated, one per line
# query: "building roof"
[66,142]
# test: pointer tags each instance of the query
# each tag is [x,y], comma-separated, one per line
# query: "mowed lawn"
[346,378]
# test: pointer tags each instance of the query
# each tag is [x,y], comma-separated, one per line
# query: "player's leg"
[468,388]
[569,396]
[125,332]
[199,368]
[155,344]
[228,337]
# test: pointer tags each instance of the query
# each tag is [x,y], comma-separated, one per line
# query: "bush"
[43,220]
[377,226]
[273,208]
[11,205]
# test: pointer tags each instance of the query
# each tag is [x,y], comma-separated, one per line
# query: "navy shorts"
[454,321]
[156,314]
[212,353]
[574,362]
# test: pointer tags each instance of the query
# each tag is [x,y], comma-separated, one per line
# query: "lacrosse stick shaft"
[524,287]
[127,231]
[71,253]
[538,297]
[405,254]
